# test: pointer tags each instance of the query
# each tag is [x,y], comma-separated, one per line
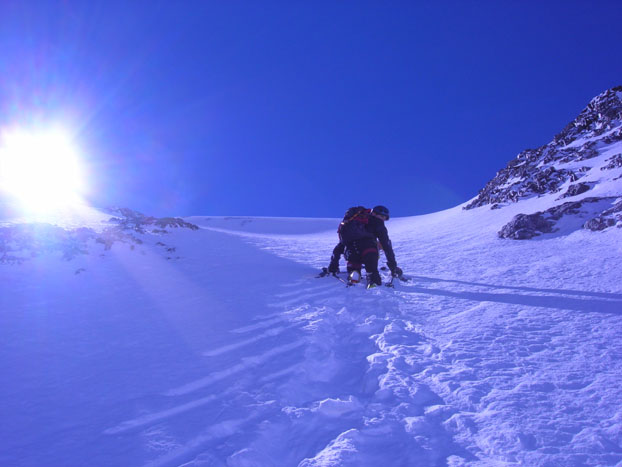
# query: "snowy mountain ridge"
[578,173]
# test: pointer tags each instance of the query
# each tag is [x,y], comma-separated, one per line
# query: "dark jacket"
[376,227]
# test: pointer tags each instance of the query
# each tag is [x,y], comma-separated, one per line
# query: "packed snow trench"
[219,346]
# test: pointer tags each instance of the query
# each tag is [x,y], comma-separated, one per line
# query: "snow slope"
[218,346]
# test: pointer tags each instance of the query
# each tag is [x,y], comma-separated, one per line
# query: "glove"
[396,272]
[333,268]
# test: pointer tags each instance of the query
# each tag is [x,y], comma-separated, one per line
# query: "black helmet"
[381,211]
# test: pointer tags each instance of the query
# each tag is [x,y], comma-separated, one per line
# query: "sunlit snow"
[219,346]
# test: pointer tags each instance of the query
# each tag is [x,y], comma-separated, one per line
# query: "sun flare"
[40,169]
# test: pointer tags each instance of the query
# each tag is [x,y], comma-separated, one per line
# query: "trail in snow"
[495,352]
[328,388]
[503,357]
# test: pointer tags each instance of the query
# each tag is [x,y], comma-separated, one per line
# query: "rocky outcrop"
[607,218]
[576,189]
[19,242]
[129,219]
[614,162]
[599,223]
[577,161]
[535,172]
[525,226]
[603,113]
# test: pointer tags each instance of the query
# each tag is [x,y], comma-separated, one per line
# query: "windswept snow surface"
[222,348]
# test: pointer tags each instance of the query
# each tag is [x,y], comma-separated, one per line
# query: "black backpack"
[354,225]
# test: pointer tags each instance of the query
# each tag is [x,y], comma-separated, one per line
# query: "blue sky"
[298,108]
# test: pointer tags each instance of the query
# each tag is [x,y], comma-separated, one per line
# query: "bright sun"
[40,169]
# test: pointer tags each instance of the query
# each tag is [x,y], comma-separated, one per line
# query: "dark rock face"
[576,189]
[525,226]
[536,171]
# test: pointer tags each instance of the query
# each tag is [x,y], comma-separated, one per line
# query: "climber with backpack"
[360,232]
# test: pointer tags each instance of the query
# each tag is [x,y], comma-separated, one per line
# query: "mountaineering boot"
[323,273]
[354,277]
[374,280]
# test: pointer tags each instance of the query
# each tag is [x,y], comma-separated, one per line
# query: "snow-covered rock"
[128,219]
[607,218]
[23,240]
[584,156]
[576,213]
